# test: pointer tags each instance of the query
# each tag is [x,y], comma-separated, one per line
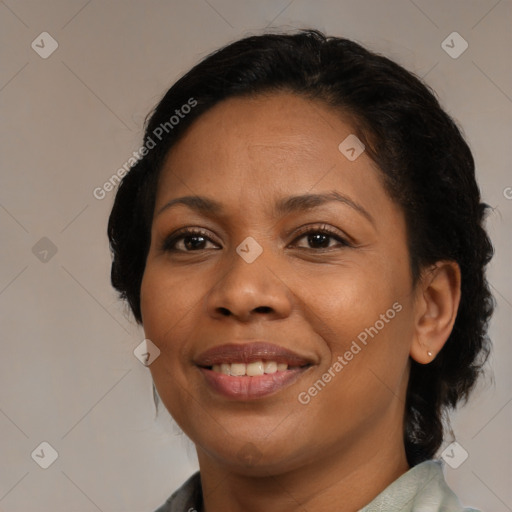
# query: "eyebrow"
[287,205]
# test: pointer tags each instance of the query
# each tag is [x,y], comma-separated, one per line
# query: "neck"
[343,477]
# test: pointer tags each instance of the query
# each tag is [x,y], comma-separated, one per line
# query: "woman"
[303,241]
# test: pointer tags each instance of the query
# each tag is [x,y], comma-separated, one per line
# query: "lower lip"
[251,388]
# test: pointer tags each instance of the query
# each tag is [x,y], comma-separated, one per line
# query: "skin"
[346,444]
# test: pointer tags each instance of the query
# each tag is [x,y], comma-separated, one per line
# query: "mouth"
[252,370]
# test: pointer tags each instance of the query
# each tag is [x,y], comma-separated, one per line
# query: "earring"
[429,353]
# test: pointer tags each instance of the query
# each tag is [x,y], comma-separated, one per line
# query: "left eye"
[321,238]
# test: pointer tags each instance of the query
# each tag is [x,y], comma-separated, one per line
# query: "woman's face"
[263,285]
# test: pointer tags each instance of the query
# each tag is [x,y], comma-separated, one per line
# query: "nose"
[249,291]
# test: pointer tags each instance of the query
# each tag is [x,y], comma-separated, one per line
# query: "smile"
[250,371]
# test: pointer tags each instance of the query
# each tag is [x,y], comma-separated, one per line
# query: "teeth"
[238,369]
[270,367]
[255,368]
[251,370]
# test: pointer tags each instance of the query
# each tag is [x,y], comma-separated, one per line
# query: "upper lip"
[248,353]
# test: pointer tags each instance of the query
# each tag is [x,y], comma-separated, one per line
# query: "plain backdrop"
[68,375]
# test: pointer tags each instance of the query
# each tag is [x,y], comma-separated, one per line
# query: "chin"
[257,458]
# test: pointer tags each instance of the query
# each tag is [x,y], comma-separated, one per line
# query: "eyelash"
[169,243]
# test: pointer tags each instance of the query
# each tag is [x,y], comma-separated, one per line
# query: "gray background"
[68,375]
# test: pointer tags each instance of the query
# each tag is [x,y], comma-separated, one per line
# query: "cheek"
[153,304]
[363,314]
[367,372]
[165,306]
[343,303]
[165,309]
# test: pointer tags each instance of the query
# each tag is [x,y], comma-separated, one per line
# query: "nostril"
[263,309]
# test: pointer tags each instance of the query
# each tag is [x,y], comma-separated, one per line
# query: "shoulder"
[188,498]
[422,488]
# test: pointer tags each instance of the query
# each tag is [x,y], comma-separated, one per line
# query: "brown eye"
[321,238]
[189,239]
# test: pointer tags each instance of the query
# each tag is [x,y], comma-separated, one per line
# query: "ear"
[436,304]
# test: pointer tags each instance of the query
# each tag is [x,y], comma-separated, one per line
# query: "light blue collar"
[421,489]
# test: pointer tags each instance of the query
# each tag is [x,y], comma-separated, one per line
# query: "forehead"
[282,124]
[255,148]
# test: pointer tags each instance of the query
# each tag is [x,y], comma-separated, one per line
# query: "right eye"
[192,240]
